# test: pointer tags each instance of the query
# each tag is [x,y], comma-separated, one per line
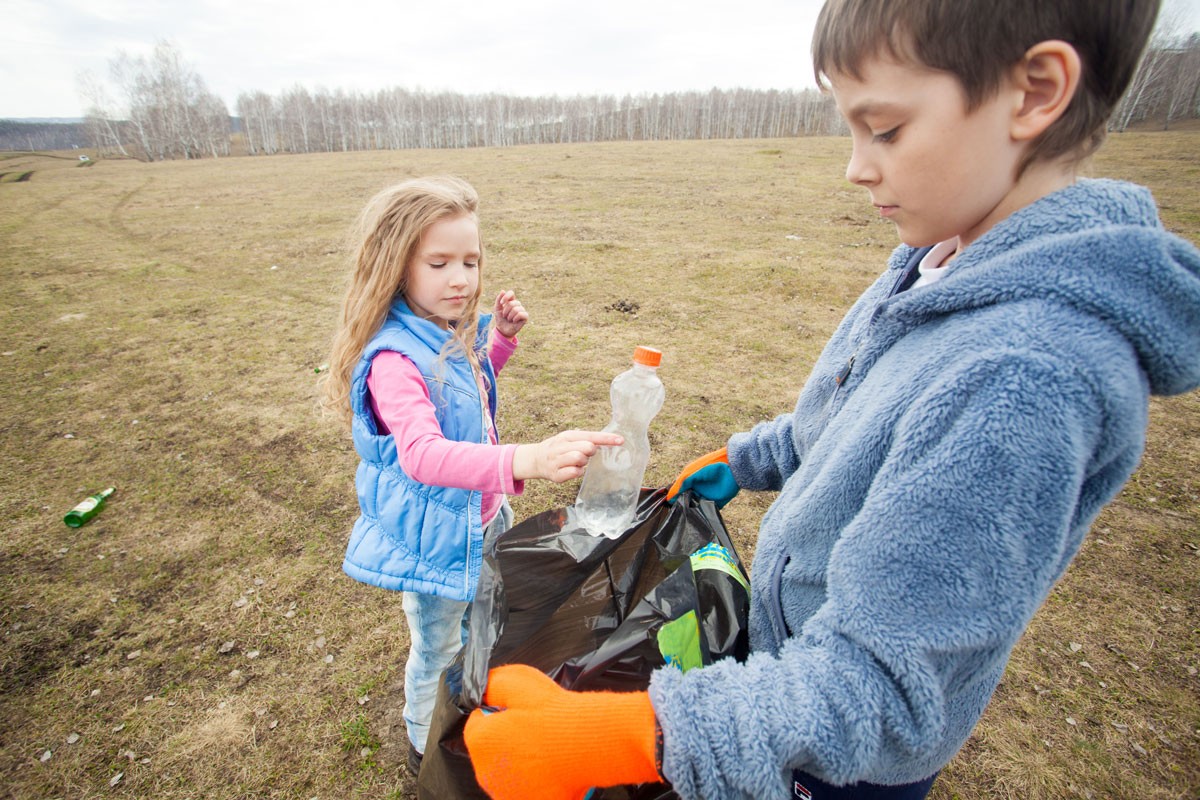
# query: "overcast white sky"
[520,47]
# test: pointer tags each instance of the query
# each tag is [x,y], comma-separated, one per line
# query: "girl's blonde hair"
[388,232]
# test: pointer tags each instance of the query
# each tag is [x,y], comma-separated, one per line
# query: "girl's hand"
[511,316]
[561,457]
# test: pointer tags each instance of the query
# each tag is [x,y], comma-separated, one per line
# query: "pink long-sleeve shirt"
[402,407]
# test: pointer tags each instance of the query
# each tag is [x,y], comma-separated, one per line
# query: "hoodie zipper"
[841,377]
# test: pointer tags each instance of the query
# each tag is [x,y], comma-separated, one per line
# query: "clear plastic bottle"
[608,497]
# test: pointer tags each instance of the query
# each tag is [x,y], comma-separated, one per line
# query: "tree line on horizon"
[171,114]
[168,113]
[298,121]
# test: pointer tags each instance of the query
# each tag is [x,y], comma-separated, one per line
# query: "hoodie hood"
[1096,246]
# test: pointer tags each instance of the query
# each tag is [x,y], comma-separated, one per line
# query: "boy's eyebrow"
[871,108]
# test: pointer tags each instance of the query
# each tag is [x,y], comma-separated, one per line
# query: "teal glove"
[709,476]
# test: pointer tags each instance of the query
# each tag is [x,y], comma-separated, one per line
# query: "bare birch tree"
[1168,77]
[171,112]
[103,124]
[1182,80]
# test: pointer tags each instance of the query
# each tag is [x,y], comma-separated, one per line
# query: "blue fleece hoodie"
[929,502]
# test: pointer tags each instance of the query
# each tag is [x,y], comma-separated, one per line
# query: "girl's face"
[443,274]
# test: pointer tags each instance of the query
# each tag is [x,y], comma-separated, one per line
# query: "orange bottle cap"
[647,356]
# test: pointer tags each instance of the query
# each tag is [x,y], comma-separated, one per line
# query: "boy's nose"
[859,171]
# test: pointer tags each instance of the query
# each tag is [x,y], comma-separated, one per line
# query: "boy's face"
[931,167]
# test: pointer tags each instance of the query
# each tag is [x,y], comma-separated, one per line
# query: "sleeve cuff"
[511,486]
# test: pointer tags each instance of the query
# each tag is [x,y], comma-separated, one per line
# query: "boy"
[966,422]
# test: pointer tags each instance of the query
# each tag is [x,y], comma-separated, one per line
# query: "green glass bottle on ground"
[87,509]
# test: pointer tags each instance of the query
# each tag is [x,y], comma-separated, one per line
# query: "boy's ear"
[1047,78]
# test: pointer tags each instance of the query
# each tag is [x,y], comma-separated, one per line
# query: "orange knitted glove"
[709,476]
[549,743]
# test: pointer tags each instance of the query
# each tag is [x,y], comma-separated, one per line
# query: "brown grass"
[161,327]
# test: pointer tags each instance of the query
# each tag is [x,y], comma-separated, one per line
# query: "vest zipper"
[483,439]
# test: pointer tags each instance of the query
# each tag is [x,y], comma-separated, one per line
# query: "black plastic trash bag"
[592,613]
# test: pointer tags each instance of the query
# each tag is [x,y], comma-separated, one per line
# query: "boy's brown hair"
[979,40]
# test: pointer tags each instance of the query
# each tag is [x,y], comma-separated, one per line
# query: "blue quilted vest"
[411,536]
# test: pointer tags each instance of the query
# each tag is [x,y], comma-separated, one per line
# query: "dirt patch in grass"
[162,325]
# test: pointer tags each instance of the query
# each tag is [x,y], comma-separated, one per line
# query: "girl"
[413,372]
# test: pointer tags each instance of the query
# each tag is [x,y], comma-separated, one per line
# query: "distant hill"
[42,134]
[56,133]
[50,120]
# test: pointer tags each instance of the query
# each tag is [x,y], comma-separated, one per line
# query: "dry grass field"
[161,325]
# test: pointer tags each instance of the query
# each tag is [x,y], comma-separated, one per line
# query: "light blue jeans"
[437,629]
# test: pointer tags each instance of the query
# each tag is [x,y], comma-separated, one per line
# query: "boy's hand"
[561,457]
[709,476]
[510,315]
[552,744]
